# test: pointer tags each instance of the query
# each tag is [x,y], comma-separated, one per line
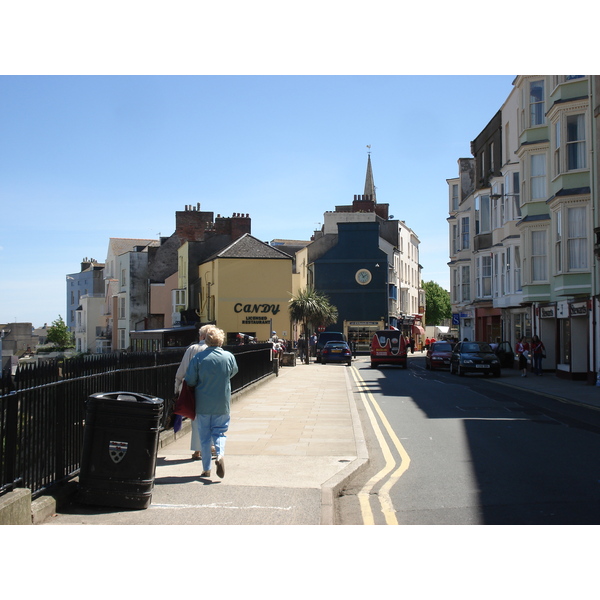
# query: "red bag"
[186,403]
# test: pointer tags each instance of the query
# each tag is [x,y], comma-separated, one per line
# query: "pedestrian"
[353,346]
[313,345]
[522,349]
[185,362]
[210,374]
[301,347]
[539,352]
[411,343]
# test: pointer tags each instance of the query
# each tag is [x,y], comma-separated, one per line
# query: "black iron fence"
[42,408]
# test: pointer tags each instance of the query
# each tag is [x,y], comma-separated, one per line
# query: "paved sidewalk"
[548,384]
[292,443]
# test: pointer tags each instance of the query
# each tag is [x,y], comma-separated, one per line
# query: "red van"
[388,347]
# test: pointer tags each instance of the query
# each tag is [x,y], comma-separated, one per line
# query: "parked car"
[438,355]
[327,336]
[474,357]
[505,354]
[336,351]
[389,347]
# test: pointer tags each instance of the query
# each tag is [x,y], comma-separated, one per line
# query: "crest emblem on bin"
[117,451]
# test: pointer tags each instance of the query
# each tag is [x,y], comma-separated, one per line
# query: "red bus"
[388,347]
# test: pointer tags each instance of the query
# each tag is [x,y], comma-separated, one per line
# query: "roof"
[280,242]
[122,245]
[248,246]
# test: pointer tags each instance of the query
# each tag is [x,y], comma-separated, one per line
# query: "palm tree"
[310,307]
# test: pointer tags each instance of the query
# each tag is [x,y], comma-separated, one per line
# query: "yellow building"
[246,288]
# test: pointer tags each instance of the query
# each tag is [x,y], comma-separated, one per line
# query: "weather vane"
[369,147]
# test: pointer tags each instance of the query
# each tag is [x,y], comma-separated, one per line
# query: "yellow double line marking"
[391,465]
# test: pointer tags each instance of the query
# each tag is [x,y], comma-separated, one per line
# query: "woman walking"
[210,373]
[181,371]
[539,351]
[522,352]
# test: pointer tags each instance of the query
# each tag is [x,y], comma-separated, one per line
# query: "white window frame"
[518,287]
[579,144]
[454,197]
[465,283]
[464,233]
[536,104]
[539,256]
[577,255]
[483,214]
[558,238]
[484,276]
[537,176]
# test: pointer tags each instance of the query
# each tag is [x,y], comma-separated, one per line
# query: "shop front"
[546,330]
[572,339]
[488,324]
[361,332]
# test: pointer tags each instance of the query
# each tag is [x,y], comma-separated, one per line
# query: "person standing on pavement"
[301,347]
[313,345]
[538,351]
[522,349]
[185,361]
[210,372]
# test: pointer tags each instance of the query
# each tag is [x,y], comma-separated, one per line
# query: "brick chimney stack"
[191,223]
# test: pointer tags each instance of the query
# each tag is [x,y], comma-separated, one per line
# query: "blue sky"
[115,115]
[86,158]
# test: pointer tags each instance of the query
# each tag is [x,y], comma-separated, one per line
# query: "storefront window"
[361,333]
[565,341]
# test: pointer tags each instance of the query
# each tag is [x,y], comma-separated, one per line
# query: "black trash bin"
[120,444]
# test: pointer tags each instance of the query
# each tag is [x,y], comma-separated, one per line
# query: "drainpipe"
[594,198]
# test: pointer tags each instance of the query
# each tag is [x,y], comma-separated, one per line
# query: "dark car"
[336,352]
[328,336]
[474,357]
[505,354]
[438,355]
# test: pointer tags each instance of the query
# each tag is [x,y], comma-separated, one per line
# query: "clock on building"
[363,276]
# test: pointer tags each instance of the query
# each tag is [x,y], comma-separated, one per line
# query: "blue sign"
[455,319]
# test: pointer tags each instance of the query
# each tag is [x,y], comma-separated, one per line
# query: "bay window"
[575,141]
[482,214]
[517,269]
[465,283]
[539,258]
[538,177]
[536,103]
[484,277]
[558,241]
[577,238]
[464,233]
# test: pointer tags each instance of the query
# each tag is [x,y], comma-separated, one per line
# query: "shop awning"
[418,330]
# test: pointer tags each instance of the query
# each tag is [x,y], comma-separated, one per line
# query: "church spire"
[369,183]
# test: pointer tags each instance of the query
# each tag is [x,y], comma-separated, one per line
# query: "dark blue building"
[354,260]
[353,274]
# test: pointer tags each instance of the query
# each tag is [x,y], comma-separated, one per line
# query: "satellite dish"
[391,216]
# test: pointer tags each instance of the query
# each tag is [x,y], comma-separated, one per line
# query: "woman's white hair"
[214,336]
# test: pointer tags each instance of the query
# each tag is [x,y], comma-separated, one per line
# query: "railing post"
[10,449]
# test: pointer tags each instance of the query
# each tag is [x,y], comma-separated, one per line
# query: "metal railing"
[42,408]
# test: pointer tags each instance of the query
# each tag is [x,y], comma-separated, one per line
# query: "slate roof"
[122,245]
[248,246]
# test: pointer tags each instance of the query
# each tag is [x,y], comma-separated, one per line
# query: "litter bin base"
[118,496]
